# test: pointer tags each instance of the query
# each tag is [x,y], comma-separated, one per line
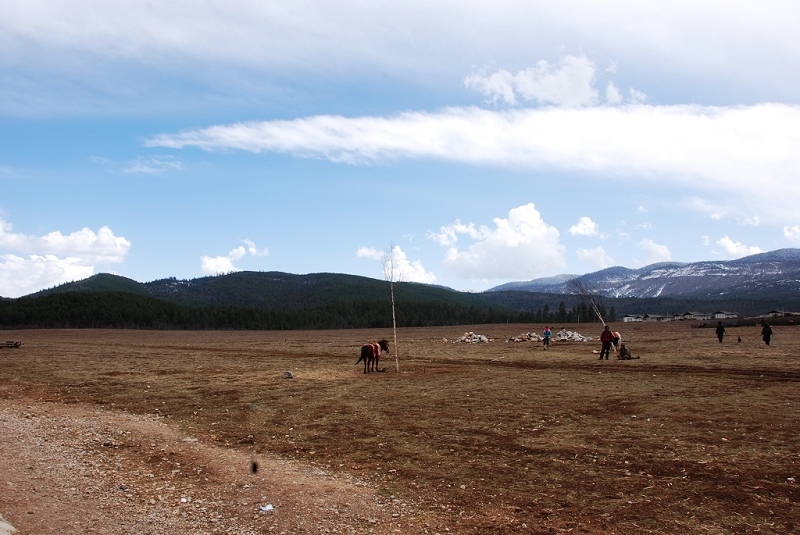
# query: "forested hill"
[248,300]
[270,290]
[273,300]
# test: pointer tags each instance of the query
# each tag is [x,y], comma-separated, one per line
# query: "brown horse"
[371,353]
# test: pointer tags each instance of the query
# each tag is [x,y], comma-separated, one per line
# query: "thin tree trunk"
[394,329]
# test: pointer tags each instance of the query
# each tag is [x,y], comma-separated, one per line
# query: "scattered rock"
[5,527]
[526,337]
[471,338]
[571,336]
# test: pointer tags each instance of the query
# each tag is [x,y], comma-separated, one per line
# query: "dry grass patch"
[696,437]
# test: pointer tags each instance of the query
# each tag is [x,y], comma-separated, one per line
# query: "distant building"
[696,316]
[779,314]
[657,317]
[628,318]
[724,315]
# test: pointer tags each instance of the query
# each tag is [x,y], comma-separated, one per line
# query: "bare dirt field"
[160,431]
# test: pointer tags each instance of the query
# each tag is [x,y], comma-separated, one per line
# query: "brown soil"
[158,432]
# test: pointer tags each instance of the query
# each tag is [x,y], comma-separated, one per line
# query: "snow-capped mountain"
[752,276]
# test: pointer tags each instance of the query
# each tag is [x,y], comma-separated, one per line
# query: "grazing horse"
[371,353]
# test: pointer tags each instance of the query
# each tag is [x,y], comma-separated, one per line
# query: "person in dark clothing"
[606,338]
[720,331]
[766,333]
[625,353]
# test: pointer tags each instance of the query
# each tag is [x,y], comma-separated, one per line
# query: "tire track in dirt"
[79,469]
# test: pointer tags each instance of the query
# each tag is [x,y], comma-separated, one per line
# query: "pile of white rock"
[471,338]
[571,336]
[526,337]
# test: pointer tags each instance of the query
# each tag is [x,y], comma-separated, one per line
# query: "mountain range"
[273,300]
[772,275]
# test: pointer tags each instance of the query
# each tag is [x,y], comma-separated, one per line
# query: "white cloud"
[737,249]
[714,149]
[584,227]
[613,96]
[521,246]
[711,209]
[448,235]
[596,257]
[406,270]
[397,260]
[54,258]
[636,97]
[792,233]
[21,276]
[70,55]
[255,251]
[217,265]
[641,210]
[657,252]
[571,83]
[101,247]
[751,221]
[153,165]
[705,240]
[370,253]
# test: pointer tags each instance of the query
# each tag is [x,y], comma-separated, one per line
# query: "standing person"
[546,334]
[606,337]
[615,340]
[766,333]
[720,331]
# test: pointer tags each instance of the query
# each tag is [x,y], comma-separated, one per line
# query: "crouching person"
[625,353]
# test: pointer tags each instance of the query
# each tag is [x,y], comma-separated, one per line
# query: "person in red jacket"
[606,338]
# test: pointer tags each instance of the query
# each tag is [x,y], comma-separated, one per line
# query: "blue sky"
[478,142]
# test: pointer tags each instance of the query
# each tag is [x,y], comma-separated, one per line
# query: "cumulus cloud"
[713,149]
[596,257]
[584,227]
[792,233]
[219,265]
[24,275]
[570,83]
[520,246]
[395,263]
[101,247]
[448,235]
[737,249]
[254,250]
[370,253]
[656,252]
[54,258]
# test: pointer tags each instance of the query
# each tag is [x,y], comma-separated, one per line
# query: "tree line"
[121,310]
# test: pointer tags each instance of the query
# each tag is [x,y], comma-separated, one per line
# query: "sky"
[472,143]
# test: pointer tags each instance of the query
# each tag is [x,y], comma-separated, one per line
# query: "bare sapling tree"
[392,273]
[578,288]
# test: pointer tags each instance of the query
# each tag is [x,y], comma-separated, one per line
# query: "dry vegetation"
[695,437]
